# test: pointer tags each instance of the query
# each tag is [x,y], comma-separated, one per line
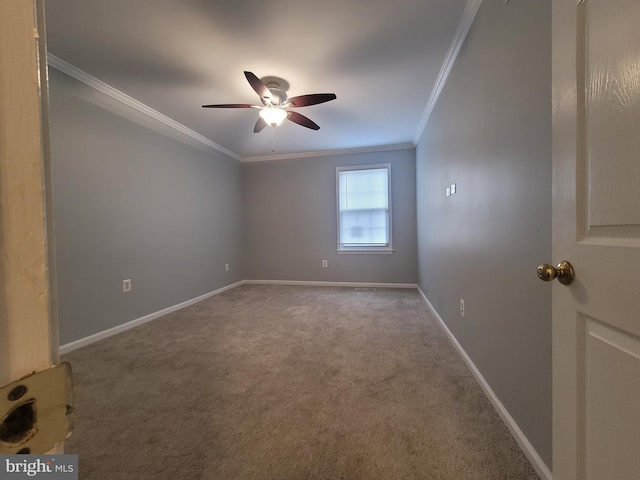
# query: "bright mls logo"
[51,467]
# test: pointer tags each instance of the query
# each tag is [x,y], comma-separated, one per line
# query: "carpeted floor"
[287,383]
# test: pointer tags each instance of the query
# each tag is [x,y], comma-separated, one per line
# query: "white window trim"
[364,250]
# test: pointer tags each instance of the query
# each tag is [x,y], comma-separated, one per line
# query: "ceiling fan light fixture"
[275,101]
[273,115]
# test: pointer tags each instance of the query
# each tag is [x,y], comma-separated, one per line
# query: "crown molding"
[93,82]
[327,153]
[466,21]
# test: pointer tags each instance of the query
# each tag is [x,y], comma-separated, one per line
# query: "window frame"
[365,249]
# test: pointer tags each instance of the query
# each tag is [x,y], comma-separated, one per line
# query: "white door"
[596,227]
[28,333]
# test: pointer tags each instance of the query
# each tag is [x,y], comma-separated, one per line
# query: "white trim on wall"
[536,461]
[463,29]
[331,284]
[96,337]
[93,82]
[327,153]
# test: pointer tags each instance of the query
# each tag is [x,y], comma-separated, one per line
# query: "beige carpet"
[287,383]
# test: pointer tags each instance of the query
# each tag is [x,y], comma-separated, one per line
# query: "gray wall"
[132,199]
[291,226]
[490,133]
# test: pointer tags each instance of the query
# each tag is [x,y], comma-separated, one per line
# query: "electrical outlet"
[226,267]
[462,307]
[448,192]
[126,286]
[325,264]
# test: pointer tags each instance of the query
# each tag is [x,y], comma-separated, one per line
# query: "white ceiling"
[381,58]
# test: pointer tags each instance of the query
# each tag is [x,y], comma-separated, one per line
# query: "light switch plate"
[453,188]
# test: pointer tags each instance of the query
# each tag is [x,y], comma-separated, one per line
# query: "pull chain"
[273,140]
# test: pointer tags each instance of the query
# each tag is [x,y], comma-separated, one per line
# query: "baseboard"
[96,337]
[330,284]
[536,462]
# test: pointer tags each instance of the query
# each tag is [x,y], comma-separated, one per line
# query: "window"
[364,209]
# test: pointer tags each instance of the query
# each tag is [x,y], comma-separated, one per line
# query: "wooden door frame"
[28,323]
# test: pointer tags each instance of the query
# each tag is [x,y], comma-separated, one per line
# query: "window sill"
[360,251]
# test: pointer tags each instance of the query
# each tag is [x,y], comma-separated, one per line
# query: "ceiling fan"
[275,104]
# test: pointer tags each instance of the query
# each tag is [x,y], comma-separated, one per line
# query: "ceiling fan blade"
[257,84]
[260,124]
[313,99]
[295,117]
[231,105]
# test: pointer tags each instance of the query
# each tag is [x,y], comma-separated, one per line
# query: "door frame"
[28,326]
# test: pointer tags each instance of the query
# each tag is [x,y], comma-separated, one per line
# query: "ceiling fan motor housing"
[279,95]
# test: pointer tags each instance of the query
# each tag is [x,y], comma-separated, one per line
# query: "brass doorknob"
[564,272]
